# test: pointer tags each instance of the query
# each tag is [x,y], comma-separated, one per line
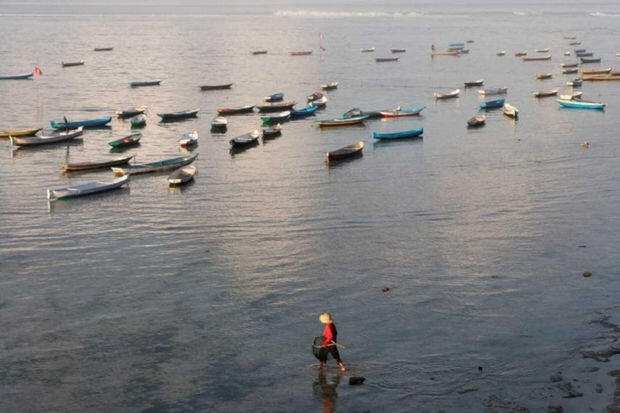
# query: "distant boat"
[272,131]
[577,51]
[130,112]
[574,95]
[189,140]
[70,64]
[493,91]
[304,112]
[474,83]
[535,58]
[355,120]
[569,70]
[542,50]
[445,53]
[245,141]
[545,93]
[126,141]
[19,132]
[543,76]
[407,134]
[138,121]
[158,166]
[576,82]
[319,103]
[448,95]
[410,111]
[569,65]
[521,54]
[574,43]
[176,116]
[47,138]
[235,110]
[511,111]
[386,59]
[501,53]
[371,114]
[182,175]
[275,97]
[216,87]
[398,50]
[605,77]
[300,53]
[476,121]
[276,107]
[103,49]
[329,86]
[348,151]
[597,71]
[219,124]
[17,77]
[590,60]
[581,104]
[367,50]
[145,83]
[256,52]
[492,104]
[584,54]
[96,164]
[276,118]
[314,96]
[87,123]
[88,188]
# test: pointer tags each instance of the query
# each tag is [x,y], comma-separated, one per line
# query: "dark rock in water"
[385,289]
[587,274]
[479,368]
[356,380]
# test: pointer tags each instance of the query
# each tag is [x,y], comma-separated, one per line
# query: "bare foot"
[342,367]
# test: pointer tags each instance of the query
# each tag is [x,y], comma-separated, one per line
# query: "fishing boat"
[445,53]
[17,77]
[70,64]
[456,46]
[159,166]
[597,71]
[245,141]
[52,137]
[570,70]
[492,104]
[319,103]
[546,50]
[103,49]
[567,53]
[386,59]
[314,96]
[276,97]
[348,151]
[521,53]
[176,116]
[406,134]
[543,76]
[493,91]
[367,50]
[511,111]
[189,140]
[300,53]
[182,175]
[605,77]
[276,107]
[581,104]
[574,95]
[355,120]
[329,86]
[235,110]
[447,95]
[584,54]
[126,141]
[130,112]
[97,164]
[545,93]
[476,121]
[257,52]
[138,121]
[272,131]
[87,123]
[574,43]
[398,50]
[576,82]
[19,132]
[276,118]
[88,188]
[216,87]
[474,83]
[590,60]
[142,83]
[219,124]
[304,112]
[568,65]
[410,111]
[372,114]
[501,53]
[535,58]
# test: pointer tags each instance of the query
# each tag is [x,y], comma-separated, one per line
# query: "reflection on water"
[326,390]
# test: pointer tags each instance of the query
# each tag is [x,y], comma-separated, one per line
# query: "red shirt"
[330,333]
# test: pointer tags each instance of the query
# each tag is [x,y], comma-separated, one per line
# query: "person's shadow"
[327,390]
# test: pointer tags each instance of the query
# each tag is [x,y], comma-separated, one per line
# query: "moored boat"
[348,151]
[95,164]
[410,111]
[319,103]
[367,50]
[87,123]
[576,82]
[272,131]
[219,124]
[276,118]
[570,70]
[88,188]
[493,91]
[545,93]
[181,115]
[17,77]
[142,83]
[568,65]
[574,95]
[126,141]
[447,95]
[596,71]
[398,50]
[245,141]
[304,112]
[590,60]
[604,77]
[275,97]
[52,137]
[546,50]
[354,120]
[386,59]
[189,140]
[581,104]
[138,121]
[535,58]
[158,166]
[103,49]
[511,111]
[70,64]
[257,52]
[130,112]
[476,121]
[474,83]
[329,86]
[235,110]
[501,53]
[182,175]
[492,104]
[521,53]
[19,132]
[276,107]
[216,87]
[543,76]
[445,53]
[300,53]
[406,134]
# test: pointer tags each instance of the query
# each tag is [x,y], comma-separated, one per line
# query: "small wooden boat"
[87,123]
[138,121]
[546,50]
[535,58]
[576,82]
[329,86]
[244,141]
[605,77]
[398,50]
[319,103]
[276,118]
[476,121]
[70,64]
[501,53]
[569,65]
[597,71]
[372,114]
[98,164]
[182,175]
[590,60]
[582,50]
[348,151]
[43,139]
[19,132]
[574,95]
[17,77]
[257,52]
[448,95]
[235,110]
[521,54]
[543,76]
[574,43]
[494,91]
[584,54]
[216,87]
[492,104]
[511,111]
[276,107]
[386,59]
[143,83]
[569,37]
[159,166]
[300,53]
[176,116]
[189,140]
[314,96]
[355,120]
[474,83]
[581,104]
[130,112]
[103,49]
[411,111]
[219,124]
[272,131]
[126,141]
[276,97]
[88,188]
[545,93]
[407,134]
[304,112]
[570,70]
[456,46]
[367,50]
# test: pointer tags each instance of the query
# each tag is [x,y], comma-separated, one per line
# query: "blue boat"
[276,97]
[492,104]
[12,77]
[88,123]
[581,104]
[413,133]
[303,112]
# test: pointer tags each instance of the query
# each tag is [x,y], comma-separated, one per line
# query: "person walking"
[330,343]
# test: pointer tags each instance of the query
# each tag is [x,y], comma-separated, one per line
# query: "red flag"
[37,71]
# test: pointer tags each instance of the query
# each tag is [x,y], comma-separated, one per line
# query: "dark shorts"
[326,351]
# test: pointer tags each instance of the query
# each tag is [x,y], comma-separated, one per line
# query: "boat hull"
[88,188]
[408,134]
[160,166]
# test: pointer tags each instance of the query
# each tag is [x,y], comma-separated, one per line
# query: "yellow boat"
[19,132]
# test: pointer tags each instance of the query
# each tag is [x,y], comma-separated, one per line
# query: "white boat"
[189,139]
[48,137]
[511,111]
[182,175]
[88,188]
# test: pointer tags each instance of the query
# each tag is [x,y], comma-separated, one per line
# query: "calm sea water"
[207,298]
